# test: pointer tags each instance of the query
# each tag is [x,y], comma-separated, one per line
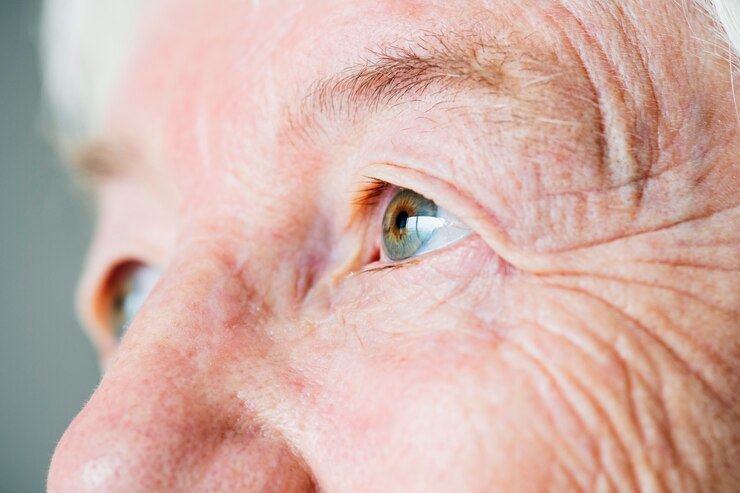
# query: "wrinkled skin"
[583,338]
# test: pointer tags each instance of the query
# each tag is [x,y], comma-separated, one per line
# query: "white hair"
[86,45]
[85,48]
[728,17]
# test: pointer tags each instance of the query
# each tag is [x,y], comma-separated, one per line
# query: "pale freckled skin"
[583,338]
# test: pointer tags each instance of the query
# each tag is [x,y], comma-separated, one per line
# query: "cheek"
[439,412]
[416,390]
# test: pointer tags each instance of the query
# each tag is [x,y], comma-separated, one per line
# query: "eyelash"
[370,198]
[371,193]
[368,202]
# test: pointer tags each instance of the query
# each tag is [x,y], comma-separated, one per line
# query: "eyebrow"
[434,64]
[97,161]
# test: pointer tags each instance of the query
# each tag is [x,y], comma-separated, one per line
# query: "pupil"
[118,302]
[401,219]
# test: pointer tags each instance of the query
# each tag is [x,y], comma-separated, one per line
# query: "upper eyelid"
[483,222]
[397,176]
[464,206]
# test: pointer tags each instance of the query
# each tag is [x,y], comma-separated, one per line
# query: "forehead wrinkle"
[435,64]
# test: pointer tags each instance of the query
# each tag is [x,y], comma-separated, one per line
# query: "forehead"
[88,45]
[202,79]
[194,63]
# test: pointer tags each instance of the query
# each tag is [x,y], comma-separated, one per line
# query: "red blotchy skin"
[584,337]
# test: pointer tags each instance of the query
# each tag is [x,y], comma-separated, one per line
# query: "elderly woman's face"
[415,247]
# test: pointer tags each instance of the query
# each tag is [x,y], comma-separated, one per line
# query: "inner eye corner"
[375,255]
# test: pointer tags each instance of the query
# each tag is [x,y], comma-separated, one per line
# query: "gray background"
[47,368]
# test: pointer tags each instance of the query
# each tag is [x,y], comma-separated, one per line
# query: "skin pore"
[584,337]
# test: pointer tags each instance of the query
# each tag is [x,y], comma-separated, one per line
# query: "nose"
[170,413]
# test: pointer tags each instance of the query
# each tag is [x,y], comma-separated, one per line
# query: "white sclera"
[436,232]
[141,282]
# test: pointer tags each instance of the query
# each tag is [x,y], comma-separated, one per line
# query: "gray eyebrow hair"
[97,161]
[436,63]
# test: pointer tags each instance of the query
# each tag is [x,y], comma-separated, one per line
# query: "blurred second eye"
[131,284]
[413,225]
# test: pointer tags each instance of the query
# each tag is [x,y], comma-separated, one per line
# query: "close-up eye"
[130,285]
[414,225]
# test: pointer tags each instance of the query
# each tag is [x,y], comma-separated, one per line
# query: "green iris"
[409,221]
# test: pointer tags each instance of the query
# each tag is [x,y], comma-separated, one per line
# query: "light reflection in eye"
[414,225]
[131,286]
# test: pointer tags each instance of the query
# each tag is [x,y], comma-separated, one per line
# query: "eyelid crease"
[447,195]
[396,177]
[483,222]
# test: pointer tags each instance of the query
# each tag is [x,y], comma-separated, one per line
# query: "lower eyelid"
[413,262]
[385,266]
